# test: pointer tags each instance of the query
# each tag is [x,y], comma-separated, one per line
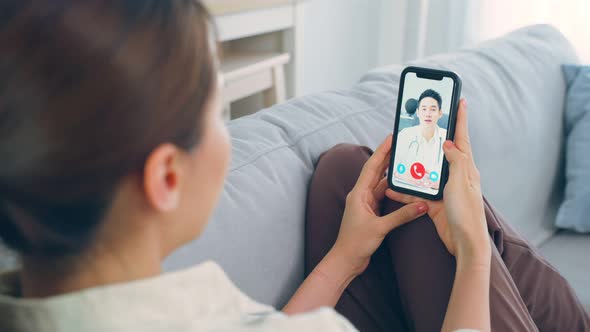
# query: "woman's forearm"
[323,287]
[469,306]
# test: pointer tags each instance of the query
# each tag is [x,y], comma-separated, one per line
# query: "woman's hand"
[459,218]
[361,232]
[362,229]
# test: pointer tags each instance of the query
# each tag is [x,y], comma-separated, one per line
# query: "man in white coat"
[419,149]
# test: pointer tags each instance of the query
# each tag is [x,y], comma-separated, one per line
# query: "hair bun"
[411,106]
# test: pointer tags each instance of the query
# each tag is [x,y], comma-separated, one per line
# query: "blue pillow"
[574,213]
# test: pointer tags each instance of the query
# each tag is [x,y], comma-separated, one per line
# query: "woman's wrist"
[336,269]
[474,249]
[475,256]
[324,286]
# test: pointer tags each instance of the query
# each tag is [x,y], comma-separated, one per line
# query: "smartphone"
[426,115]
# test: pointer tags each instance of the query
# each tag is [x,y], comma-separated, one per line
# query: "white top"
[198,299]
[412,147]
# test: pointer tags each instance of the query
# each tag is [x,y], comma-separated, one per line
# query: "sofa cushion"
[574,213]
[568,252]
[257,231]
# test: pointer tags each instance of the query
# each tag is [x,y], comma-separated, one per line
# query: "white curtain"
[438,26]
[492,18]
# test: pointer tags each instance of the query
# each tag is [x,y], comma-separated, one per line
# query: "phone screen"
[422,130]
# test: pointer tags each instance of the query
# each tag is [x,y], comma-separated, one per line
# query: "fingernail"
[448,145]
[422,208]
[464,101]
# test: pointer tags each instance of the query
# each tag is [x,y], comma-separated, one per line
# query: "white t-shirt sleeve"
[324,319]
[327,319]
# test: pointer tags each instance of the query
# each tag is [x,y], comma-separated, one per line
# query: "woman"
[114,156]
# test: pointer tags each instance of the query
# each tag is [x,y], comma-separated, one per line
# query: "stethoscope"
[415,141]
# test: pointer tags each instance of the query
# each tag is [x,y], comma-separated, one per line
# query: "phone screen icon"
[418,171]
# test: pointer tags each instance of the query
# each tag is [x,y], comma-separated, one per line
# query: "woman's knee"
[342,155]
[339,167]
[336,173]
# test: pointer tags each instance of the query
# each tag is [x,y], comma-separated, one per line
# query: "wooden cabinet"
[261,41]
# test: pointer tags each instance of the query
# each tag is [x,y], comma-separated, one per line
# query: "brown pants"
[408,283]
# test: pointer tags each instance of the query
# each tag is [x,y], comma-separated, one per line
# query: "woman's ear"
[161,178]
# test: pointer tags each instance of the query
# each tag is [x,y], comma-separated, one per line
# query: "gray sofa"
[515,91]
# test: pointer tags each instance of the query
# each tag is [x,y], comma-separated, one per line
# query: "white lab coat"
[412,147]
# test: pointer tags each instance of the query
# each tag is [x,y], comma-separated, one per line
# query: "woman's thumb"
[452,153]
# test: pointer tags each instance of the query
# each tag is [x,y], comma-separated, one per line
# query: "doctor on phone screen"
[420,154]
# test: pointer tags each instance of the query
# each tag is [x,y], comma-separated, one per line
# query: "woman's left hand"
[363,229]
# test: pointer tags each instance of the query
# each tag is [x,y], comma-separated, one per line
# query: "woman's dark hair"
[88,88]
[431,94]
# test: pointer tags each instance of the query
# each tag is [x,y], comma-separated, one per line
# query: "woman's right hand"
[459,218]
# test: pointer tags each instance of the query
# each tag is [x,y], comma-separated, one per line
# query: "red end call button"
[418,171]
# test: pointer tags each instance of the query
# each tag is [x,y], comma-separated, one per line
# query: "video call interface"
[423,126]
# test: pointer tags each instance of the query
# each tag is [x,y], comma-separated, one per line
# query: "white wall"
[342,41]
[392,31]
[337,44]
